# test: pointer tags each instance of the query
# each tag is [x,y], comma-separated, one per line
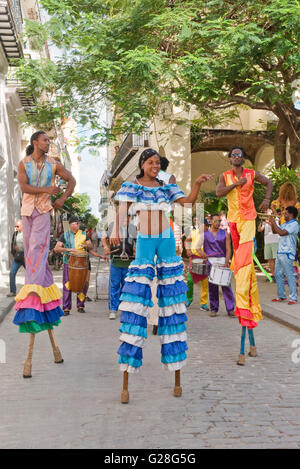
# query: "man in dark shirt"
[118,267]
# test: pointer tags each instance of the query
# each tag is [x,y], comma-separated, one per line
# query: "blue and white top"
[149,198]
[288,244]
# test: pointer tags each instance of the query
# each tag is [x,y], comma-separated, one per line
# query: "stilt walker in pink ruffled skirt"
[38,302]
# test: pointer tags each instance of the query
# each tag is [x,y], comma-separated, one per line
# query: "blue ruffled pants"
[136,299]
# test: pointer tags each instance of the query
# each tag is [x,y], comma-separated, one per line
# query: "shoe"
[87,298]
[188,303]
[292,302]
[204,307]
[241,360]
[276,300]
[213,314]
[11,294]
[154,330]
[252,352]
[66,312]
[231,314]
[81,310]
[112,315]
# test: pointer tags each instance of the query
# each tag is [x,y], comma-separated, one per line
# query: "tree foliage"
[79,205]
[146,56]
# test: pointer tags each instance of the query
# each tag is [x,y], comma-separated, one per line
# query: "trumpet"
[264,216]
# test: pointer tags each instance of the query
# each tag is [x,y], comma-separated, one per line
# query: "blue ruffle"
[129,350]
[169,260]
[176,288]
[170,320]
[138,289]
[173,358]
[170,330]
[135,299]
[134,330]
[173,348]
[24,315]
[167,272]
[172,300]
[132,318]
[140,274]
[130,361]
[131,192]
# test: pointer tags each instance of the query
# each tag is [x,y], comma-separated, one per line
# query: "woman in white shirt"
[271,243]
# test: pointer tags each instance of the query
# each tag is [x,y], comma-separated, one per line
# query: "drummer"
[73,240]
[217,250]
[118,267]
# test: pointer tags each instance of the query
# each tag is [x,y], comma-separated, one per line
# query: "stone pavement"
[77,404]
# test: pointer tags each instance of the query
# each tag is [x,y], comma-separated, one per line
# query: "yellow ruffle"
[46,294]
[256,311]
[67,285]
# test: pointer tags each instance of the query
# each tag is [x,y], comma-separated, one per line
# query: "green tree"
[145,56]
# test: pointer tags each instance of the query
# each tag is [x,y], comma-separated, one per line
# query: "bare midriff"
[152,222]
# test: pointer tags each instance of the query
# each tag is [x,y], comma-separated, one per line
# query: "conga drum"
[78,269]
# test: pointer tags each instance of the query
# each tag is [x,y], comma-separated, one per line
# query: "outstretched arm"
[191,198]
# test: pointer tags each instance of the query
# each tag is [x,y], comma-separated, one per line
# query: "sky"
[91,170]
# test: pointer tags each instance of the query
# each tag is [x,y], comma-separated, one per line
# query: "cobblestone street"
[77,404]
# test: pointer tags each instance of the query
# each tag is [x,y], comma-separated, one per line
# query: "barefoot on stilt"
[28,363]
[56,352]
[177,388]
[125,393]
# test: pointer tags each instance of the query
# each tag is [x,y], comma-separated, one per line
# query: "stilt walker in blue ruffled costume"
[152,200]
[38,302]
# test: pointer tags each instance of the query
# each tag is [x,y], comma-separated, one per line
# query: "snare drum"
[198,267]
[78,269]
[220,276]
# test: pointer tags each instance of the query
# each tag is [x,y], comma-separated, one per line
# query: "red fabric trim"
[245,317]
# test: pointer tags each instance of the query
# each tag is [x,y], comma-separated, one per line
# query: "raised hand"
[204,178]
[241,181]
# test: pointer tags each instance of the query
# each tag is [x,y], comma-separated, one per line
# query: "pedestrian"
[270,244]
[238,185]
[17,251]
[152,200]
[194,244]
[74,240]
[38,302]
[118,267]
[167,178]
[224,225]
[217,250]
[287,197]
[286,254]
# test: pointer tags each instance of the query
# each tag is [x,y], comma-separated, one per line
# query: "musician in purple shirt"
[217,249]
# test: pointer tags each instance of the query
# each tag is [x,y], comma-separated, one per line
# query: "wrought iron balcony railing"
[11,21]
[128,149]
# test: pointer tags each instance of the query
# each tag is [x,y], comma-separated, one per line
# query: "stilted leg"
[56,352]
[177,388]
[253,352]
[125,393]
[28,362]
[241,358]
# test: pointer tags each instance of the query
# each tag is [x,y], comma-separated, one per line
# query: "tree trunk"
[295,150]
[280,146]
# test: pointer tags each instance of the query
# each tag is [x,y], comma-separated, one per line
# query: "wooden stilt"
[28,363]
[56,352]
[177,388]
[125,393]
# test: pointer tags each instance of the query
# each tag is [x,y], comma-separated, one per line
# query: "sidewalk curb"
[276,315]
[8,304]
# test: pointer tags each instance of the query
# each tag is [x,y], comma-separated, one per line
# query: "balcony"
[128,149]
[27,102]
[11,21]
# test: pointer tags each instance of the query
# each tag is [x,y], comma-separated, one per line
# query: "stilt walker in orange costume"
[238,185]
